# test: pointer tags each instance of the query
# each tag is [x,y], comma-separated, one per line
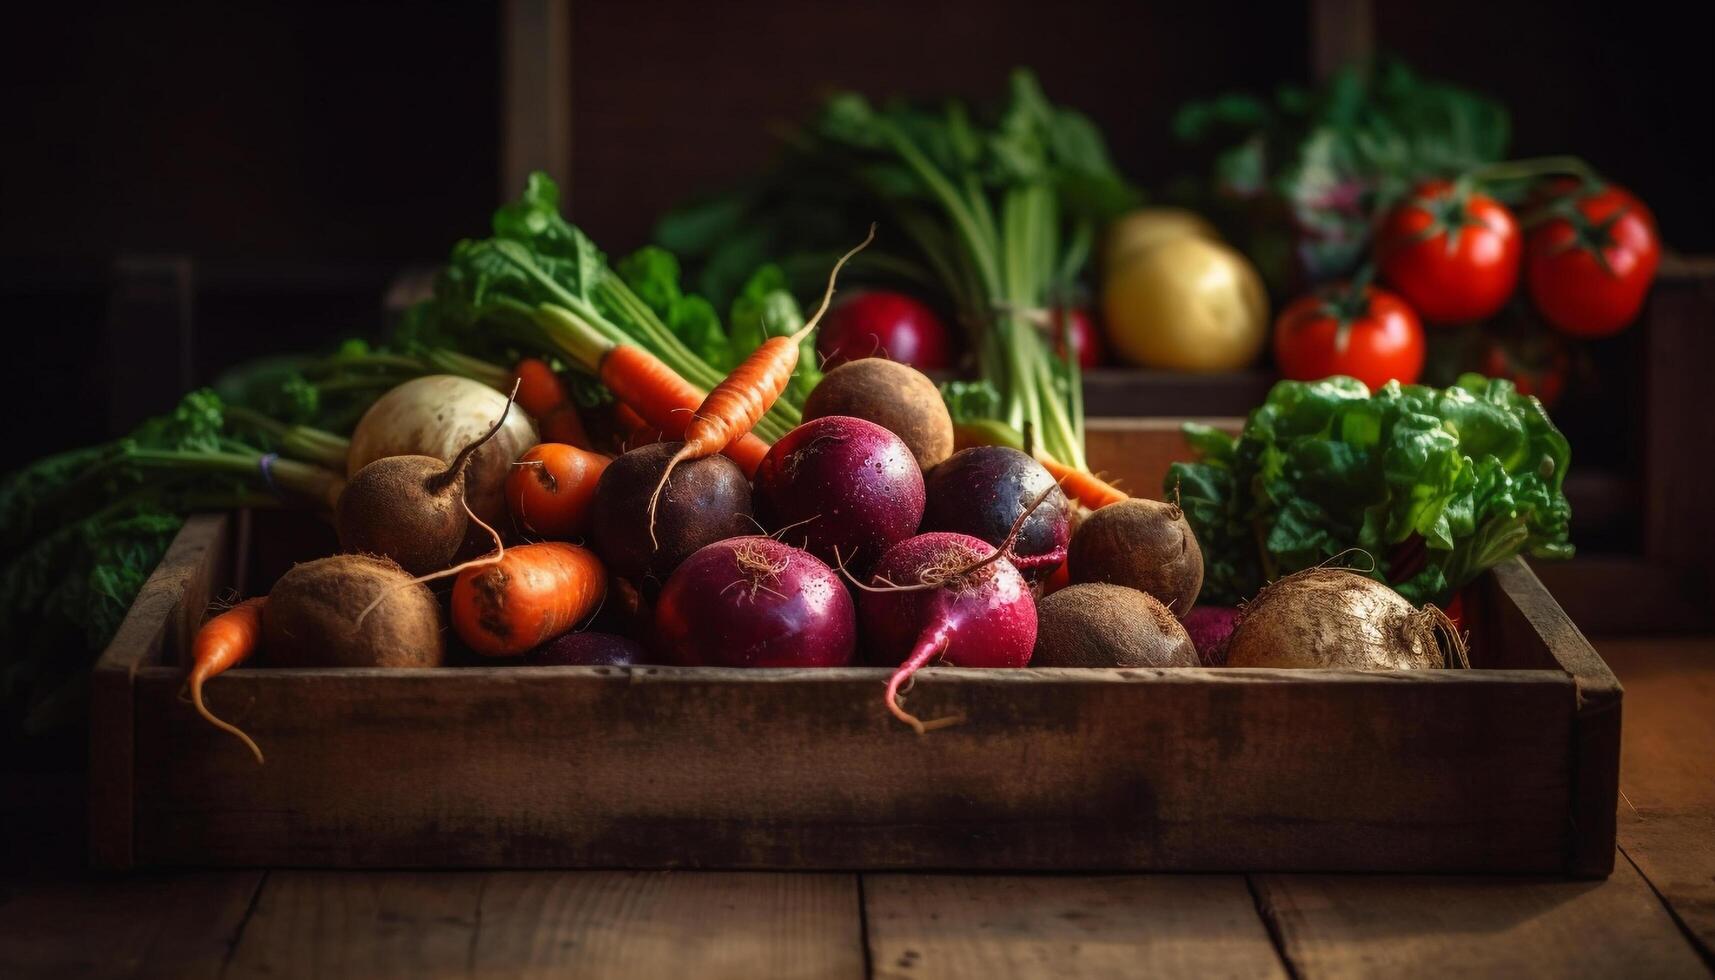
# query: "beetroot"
[754,602]
[841,488]
[949,597]
[885,324]
[1210,628]
[983,490]
[588,650]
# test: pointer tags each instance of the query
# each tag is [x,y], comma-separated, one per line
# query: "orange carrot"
[665,401]
[635,431]
[550,489]
[1087,489]
[748,392]
[223,643]
[534,593]
[542,394]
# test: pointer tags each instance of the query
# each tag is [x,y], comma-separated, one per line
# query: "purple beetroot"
[947,597]
[754,602]
[842,488]
[983,491]
[1210,628]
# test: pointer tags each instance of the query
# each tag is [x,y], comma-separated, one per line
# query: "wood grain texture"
[332,924]
[1596,724]
[1133,393]
[1134,453]
[996,927]
[146,926]
[621,924]
[1667,814]
[1677,427]
[660,767]
[1434,927]
[160,618]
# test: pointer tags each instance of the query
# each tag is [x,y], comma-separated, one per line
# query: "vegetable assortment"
[560,459]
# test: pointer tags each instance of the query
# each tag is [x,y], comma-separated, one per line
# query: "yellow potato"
[1187,304]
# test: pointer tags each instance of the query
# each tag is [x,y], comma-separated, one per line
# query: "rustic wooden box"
[1512,767]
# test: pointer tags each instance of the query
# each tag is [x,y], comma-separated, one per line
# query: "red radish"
[754,602]
[947,597]
[1076,325]
[885,324]
[841,488]
[588,650]
[1210,628]
[983,491]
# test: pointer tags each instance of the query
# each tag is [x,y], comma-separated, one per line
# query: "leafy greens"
[1436,485]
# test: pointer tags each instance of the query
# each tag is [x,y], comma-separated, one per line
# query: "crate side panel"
[1189,770]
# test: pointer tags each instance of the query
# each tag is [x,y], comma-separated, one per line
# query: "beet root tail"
[931,645]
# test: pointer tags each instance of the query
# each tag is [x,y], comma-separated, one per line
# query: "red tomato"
[1374,337]
[1537,365]
[884,324]
[1589,265]
[1453,255]
[1081,329]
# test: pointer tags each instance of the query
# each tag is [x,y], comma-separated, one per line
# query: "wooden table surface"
[1655,917]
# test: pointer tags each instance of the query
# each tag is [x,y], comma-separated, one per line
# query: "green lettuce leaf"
[1435,485]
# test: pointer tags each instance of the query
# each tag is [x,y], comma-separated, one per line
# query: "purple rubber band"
[266,465]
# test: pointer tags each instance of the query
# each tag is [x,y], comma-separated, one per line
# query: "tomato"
[1536,363]
[1372,336]
[1453,254]
[1187,304]
[1081,330]
[1589,264]
[885,324]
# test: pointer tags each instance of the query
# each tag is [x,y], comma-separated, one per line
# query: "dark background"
[301,154]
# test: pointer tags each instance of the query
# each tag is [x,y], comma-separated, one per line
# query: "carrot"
[534,593]
[223,643]
[542,394]
[634,430]
[665,401]
[550,489]
[745,395]
[1087,489]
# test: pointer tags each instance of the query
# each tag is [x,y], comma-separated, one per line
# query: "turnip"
[1141,544]
[351,611]
[947,597]
[708,499]
[1331,617]
[982,491]
[438,415]
[895,396]
[1099,625]
[841,488]
[755,602]
[411,509]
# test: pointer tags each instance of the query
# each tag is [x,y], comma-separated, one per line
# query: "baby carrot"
[745,395]
[550,489]
[221,644]
[542,394]
[1088,489]
[534,593]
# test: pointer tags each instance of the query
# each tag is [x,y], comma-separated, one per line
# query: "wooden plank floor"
[1655,917]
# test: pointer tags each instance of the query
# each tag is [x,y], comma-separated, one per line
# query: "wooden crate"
[1509,768]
